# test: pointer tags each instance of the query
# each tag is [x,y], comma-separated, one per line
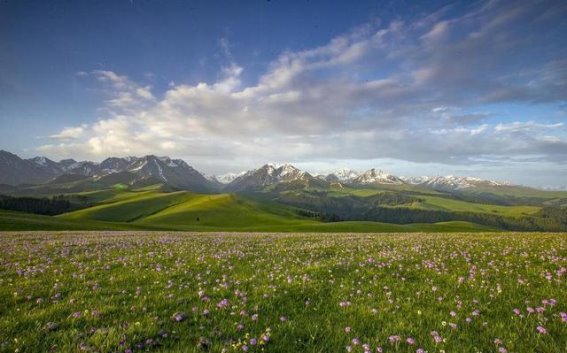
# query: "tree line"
[44,206]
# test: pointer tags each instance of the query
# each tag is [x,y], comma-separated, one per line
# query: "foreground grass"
[191,292]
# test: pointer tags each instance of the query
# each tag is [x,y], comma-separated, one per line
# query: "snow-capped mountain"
[227,178]
[173,172]
[85,168]
[269,174]
[48,165]
[374,176]
[176,173]
[450,182]
[343,175]
[115,165]
[15,170]
[130,170]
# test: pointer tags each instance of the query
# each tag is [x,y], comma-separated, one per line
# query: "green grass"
[224,210]
[189,211]
[115,291]
[519,191]
[129,206]
[446,204]
[17,221]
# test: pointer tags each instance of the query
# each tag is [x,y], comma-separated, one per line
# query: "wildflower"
[348,329]
[436,337]
[394,339]
[223,304]
[541,330]
[410,341]
[179,316]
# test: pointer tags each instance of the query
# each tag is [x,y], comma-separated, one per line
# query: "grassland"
[195,292]
[151,208]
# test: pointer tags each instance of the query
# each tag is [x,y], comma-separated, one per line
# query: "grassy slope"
[445,204]
[17,221]
[129,206]
[224,210]
[433,200]
[151,209]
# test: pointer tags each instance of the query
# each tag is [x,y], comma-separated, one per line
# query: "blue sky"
[432,87]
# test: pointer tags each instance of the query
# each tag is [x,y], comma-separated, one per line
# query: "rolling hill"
[152,209]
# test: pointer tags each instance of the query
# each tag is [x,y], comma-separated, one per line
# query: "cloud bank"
[421,91]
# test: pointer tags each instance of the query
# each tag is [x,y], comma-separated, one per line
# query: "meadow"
[271,292]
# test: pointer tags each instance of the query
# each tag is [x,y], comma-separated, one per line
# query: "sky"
[475,88]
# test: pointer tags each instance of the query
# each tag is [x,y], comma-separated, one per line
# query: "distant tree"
[45,206]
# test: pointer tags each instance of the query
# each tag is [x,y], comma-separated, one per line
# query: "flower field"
[227,292]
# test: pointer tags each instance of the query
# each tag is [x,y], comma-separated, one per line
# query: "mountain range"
[177,174]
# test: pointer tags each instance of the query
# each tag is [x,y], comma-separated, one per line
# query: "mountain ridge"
[178,174]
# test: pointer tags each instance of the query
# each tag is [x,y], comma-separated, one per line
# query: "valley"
[160,193]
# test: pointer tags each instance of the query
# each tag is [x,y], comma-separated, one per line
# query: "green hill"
[20,221]
[182,210]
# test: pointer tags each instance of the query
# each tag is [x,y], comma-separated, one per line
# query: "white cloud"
[69,133]
[520,126]
[371,93]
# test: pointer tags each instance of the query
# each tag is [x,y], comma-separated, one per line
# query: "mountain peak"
[451,182]
[374,176]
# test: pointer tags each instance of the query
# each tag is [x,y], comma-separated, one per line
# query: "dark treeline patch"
[44,206]
[393,208]
[495,199]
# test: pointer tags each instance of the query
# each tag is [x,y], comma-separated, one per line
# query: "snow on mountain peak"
[345,174]
[288,169]
[40,160]
[377,176]
[451,182]
[228,177]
